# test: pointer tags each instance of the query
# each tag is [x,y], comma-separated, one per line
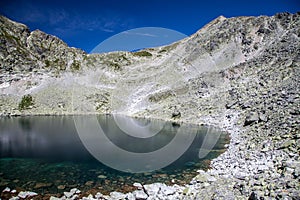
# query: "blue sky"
[84,24]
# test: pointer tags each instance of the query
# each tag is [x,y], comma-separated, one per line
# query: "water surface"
[51,154]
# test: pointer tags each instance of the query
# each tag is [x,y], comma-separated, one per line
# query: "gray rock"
[251,118]
[241,175]
[253,196]
[263,117]
[224,194]
[176,114]
[231,104]
[287,144]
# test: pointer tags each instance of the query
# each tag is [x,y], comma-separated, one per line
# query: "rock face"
[241,74]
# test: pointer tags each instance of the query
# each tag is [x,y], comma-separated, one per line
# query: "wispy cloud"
[57,16]
[141,34]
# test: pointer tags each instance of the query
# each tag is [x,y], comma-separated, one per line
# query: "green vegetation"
[47,63]
[142,53]
[26,102]
[75,66]
[162,51]
[169,48]
[115,66]
[11,37]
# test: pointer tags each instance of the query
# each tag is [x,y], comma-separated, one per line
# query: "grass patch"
[142,54]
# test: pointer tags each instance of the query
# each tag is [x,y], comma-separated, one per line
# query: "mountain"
[241,74]
[45,67]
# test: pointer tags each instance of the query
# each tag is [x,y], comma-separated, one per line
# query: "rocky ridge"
[241,74]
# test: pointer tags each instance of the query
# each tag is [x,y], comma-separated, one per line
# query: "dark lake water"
[51,154]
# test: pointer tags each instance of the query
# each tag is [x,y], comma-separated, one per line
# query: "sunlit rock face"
[194,74]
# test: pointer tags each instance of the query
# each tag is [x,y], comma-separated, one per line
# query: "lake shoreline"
[220,179]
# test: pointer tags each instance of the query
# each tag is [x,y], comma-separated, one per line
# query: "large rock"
[251,118]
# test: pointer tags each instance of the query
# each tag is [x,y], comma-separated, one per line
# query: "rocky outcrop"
[241,74]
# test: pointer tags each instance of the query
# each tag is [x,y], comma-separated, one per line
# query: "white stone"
[206,184]
[26,194]
[7,189]
[98,195]
[75,196]
[210,178]
[153,189]
[262,168]
[68,194]
[54,198]
[14,198]
[138,185]
[117,195]
[168,190]
[75,191]
[130,196]
[139,194]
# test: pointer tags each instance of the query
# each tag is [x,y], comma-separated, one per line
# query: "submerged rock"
[102,177]
[42,185]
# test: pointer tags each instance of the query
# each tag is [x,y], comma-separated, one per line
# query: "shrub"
[26,102]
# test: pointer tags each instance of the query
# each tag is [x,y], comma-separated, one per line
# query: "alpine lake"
[101,153]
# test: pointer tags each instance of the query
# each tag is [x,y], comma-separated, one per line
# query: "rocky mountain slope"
[241,74]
